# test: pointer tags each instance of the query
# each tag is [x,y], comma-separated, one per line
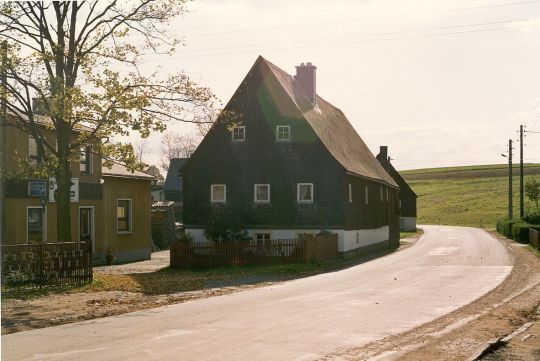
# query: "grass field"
[467,196]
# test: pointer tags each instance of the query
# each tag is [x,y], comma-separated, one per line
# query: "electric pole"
[521,200]
[510,206]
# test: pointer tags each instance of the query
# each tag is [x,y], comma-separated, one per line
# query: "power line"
[358,41]
[319,23]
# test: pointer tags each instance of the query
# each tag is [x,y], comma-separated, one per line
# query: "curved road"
[297,320]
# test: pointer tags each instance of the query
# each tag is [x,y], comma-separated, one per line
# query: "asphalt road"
[297,320]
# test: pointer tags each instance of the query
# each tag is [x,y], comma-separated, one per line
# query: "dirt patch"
[462,333]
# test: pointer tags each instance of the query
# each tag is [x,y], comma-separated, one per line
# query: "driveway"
[158,261]
[303,319]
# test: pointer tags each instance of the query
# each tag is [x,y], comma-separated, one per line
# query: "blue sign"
[37,188]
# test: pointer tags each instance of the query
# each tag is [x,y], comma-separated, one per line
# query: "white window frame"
[255,193]
[212,198]
[243,127]
[43,220]
[264,244]
[130,230]
[288,128]
[366,194]
[350,193]
[298,192]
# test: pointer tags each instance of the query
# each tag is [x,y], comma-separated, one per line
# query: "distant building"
[157,192]
[173,186]
[109,207]
[294,166]
[406,196]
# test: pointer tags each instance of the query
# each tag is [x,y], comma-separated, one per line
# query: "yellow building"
[109,207]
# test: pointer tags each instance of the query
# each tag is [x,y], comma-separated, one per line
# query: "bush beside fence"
[47,264]
[281,251]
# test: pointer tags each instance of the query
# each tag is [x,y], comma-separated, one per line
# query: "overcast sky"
[442,83]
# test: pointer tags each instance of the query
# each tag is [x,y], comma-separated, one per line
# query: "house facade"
[406,196]
[290,165]
[109,207]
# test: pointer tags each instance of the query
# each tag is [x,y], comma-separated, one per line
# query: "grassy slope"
[468,196]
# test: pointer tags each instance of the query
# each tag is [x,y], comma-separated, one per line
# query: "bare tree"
[65,53]
[174,145]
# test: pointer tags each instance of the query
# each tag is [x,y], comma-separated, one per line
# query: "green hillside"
[466,196]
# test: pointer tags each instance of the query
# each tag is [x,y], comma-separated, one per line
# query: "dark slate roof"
[403,185]
[332,127]
[173,181]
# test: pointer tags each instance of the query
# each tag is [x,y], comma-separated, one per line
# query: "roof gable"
[173,181]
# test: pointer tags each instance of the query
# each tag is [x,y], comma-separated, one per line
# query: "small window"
[387,194]
[283,133]
[239,133]
[304,192]
[304,235]
[123,215]
[381,191]
[218,193]
[35,224]
[86,160]
[367,195]
[33,153]
[350,193]
[263,240]
[261,193]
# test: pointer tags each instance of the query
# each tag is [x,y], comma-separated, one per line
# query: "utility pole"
[510,206]
[3,125]
[521,200]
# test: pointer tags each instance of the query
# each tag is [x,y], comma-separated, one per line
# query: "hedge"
[532,218]
[520,231]
[504,226]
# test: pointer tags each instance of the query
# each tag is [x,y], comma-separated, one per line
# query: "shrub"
[520,232]
[504,226]
[533,218]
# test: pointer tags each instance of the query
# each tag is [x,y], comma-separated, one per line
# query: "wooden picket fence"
[278,251]
[61,263]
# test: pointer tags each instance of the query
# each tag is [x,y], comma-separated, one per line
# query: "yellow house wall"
[138,242]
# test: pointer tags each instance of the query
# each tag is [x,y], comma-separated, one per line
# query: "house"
[157,192]
[288,165]
[109,207]
[173,187]
[406,196]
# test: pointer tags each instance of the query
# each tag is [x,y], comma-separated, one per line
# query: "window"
[33,153]
[304,192]
[35,222]
[261,193]
[283,133]
[218,193]
[387,194]
[350,193]
[382,198]
[263,240]
[367,195]
[86,160]
[303,235]
[123,215]
[239,133]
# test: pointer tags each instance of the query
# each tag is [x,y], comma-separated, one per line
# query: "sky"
[441,83]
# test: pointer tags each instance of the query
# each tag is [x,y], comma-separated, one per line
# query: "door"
[86,225]
[35,225]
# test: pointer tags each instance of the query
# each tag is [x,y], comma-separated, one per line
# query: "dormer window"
[283,133]
[239,133]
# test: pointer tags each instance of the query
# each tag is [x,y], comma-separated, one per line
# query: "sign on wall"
[74,194]
[37,188]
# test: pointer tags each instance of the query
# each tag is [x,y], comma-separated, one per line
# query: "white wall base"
[347,240]
[407,224]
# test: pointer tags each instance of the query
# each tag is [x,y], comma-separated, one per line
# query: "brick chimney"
[306,76]
[383,152]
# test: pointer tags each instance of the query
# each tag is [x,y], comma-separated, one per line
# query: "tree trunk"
[63,203]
